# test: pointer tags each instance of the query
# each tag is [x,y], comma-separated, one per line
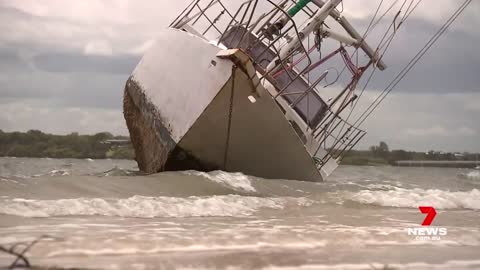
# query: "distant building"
[438,163]
[116,142]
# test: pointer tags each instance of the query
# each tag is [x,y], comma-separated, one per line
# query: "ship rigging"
[260,87]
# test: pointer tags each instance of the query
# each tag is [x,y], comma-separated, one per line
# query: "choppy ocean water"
[102,214]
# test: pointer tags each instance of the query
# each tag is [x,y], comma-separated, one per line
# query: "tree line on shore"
[35,143]
[382,155]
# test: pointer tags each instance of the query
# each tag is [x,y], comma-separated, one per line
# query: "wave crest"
[147,207]
[412,198]
[473,174]
[58,173]
[237,181]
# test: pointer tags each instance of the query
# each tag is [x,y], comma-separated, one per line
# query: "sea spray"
[147,207]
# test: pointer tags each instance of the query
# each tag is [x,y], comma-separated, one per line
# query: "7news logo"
[426,232]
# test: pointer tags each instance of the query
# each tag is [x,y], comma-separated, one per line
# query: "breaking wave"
[453,264]
[473,175]
[58,173]
[237,181]
[188,248]
[148,207]
[412,198]
[117,171]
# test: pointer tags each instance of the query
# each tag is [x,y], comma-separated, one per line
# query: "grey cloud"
[447,67]
[425,121]
[11,61]
[46,81]
[70,62]
[65,78]
[31,114]
[9,13]
[451,65]
[88,90]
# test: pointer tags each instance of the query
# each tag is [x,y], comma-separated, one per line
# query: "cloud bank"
[63,65]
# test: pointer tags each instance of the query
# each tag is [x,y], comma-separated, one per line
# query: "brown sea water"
[102,214]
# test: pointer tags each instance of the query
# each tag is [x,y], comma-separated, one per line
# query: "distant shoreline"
[105,158]
[438,163]
[36,144]
[416,163]
[103,145]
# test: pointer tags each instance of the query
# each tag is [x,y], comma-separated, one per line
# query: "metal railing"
[264,51]
[186,16]
[245,29]
[335,145]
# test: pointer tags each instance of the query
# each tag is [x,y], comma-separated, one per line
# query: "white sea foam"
[58,173]
[146,207]
[10,181]
[237,181]
[381,186]
[454,264]
[413,198]
[181,248]
[473,174]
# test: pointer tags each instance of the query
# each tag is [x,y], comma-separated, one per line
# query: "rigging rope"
[382,16]
[292,65]
[411,63]
[351,84]
[408,12]
[364,34]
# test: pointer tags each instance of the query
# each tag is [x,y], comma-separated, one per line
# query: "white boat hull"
[187,106]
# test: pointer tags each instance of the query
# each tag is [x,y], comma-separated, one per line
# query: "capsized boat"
[236,87]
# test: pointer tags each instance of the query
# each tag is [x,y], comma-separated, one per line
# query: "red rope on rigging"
[323,60]
[313,66]
[280,72]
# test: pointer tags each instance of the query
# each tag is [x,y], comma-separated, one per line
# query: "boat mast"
[315,23]
[354,34]
[309,26]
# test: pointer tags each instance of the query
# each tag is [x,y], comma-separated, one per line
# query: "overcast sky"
[63,66]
